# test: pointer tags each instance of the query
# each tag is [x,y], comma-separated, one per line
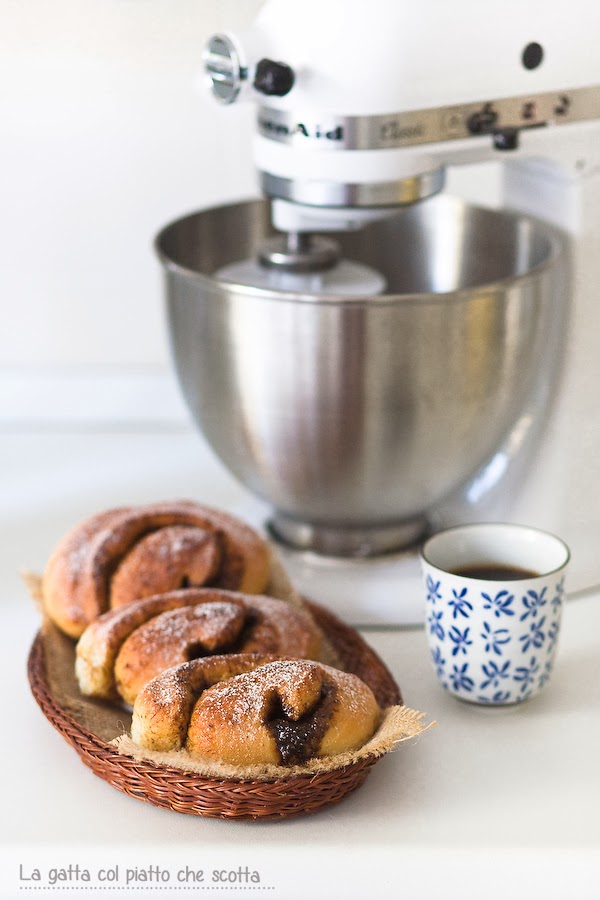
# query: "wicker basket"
[190,793]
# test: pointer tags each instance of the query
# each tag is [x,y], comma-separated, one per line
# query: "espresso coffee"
[494,572]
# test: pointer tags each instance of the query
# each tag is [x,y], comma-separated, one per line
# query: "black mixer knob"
[506,139]
[275,79]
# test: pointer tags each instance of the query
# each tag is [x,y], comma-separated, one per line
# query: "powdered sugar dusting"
[210,624]
[170,689]
[122,554]
[291,703]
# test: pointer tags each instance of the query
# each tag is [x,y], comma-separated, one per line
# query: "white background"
[105,137]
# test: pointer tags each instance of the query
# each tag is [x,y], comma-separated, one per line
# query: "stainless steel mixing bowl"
[354,417]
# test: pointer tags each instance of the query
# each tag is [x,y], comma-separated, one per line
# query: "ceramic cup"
[495,594]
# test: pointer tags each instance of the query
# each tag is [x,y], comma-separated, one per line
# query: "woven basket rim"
[232,798]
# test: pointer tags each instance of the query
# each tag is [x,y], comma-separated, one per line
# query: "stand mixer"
[424,365]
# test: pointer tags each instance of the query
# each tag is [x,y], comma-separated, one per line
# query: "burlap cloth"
[112,724]
[398,724]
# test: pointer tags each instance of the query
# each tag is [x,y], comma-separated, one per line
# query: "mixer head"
[306,199]
[362,107]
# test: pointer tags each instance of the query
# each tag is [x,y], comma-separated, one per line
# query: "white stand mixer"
[361,109]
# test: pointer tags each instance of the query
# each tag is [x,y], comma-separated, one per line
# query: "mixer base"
[347,541]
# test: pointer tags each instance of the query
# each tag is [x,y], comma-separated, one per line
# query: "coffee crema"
[494,572]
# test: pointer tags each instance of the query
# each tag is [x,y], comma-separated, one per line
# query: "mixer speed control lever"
[483,121]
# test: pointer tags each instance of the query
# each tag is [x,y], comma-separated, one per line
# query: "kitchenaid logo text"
[282,130]
[352,134]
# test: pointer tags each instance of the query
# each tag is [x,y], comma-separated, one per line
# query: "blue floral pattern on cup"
[500,604]
[533,601]
[493,646]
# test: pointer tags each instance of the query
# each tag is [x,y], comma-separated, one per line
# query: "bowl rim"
[558,252]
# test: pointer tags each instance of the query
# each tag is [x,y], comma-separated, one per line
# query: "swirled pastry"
[161,717]
[125,554]
[124,648]
[284,712]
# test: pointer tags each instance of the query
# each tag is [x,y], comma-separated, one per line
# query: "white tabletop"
[488,804]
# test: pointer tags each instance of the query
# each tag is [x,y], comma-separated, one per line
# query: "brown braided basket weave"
[188,792]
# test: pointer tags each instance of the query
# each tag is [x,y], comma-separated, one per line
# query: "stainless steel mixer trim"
[426,126]
[404,192]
